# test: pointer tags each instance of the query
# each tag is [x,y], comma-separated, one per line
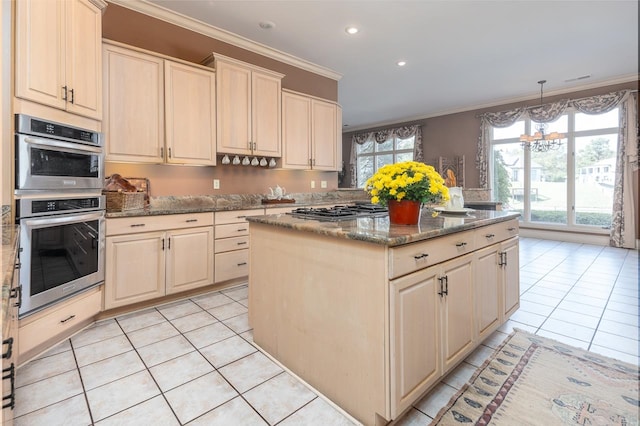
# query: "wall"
[457,134]
[6,127]
[136,29]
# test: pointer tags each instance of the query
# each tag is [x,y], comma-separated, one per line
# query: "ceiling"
[460,55]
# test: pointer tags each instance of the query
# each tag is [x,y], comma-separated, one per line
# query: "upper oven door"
[43,163]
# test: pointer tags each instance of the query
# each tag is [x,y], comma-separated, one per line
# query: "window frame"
[572,173]
[374,153]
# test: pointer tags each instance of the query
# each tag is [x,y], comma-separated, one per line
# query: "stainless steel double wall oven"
[60,208]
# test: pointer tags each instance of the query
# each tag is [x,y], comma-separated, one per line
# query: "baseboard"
[570,237]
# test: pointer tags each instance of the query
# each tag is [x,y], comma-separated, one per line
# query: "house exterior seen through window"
[370,156]
[572,185]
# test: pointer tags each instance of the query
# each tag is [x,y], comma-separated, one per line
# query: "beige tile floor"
[192,362]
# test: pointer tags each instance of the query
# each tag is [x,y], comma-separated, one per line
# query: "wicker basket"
[118,201]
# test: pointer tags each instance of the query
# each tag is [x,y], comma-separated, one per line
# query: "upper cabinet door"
[58,59]
[39,74]
[323,127]
[134,106]
[233,94]
[265,115]
[190,114]
[296,131]
[84,58]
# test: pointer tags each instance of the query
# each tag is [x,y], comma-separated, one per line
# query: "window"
[570,186]
[370,156]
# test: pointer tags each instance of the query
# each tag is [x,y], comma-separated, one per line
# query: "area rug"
[531,380]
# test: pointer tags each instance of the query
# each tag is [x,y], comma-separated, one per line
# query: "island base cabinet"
[488,290]
[510,275]
[415,357]
[189,260]
[455,286]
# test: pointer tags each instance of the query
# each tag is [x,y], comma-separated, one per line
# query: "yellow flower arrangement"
[408,180]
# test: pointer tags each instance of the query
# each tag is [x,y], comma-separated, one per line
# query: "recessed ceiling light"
[351,30]
[266,25]
[401,63]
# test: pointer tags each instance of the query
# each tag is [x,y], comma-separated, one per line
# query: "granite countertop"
[379,231]
[10,235]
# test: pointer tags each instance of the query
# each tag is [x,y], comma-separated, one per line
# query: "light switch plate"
[313,184]
[323,184]
[216,184]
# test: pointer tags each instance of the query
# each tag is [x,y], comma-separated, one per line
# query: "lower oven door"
[61,256]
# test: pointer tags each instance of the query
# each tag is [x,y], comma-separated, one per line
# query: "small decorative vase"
[404,212]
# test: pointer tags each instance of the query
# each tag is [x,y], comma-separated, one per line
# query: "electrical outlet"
[216,184]
[313,184]
[323,184]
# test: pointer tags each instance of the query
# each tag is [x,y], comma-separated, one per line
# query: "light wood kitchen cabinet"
[190,114]
[10,342]
[157,110]
[232,244]
[149,257]
[415,323]
[310,134]
[510,275]
[248,108]
[487,290]
[58,54]
[134,105]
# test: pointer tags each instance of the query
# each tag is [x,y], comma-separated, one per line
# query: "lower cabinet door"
[457,310]
[232,264]
[511,276]
[414,327]
[135,269]
[487,290]
[189,259]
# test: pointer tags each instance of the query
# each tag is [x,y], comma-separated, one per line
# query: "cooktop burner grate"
[340,212]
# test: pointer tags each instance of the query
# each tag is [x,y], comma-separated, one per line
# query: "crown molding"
[183,21]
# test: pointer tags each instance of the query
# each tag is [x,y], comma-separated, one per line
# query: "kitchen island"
[372,315]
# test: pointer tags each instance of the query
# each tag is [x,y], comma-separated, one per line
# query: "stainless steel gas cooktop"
[340,212]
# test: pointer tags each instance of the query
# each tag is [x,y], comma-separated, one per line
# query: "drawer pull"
[137,225]
[462,244]
[420,256]
[242,264]
[18,265]
[511,229]
[69,318]
[489,236]
[242,242]
[242,217]
[9,343]
[191,220]
[9,373]
[242,229]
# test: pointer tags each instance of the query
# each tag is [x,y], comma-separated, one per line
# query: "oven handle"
[62,219]
[60,145]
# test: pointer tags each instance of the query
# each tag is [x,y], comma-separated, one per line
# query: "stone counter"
[379,231]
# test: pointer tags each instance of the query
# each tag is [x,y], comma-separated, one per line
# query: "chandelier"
[541,141]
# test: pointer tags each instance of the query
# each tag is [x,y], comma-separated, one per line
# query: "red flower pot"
[404,212]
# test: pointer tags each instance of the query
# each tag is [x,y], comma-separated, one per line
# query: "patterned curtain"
[382,136]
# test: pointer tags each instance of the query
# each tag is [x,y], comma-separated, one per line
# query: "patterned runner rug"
[531,380]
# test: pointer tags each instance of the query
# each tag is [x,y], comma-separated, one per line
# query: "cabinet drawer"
[59,320]
[412,257]
[235,216]
[232,230]
[495,233]
[232,264]
[229,244]
[127,225]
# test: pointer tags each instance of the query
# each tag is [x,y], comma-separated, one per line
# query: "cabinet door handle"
[9,373]
[444,285]
[163,244]
[64,97]
[191,220]
[137,225]
[72,95]
[489,236]
[9,343]
[511,229]
[421,256]
[242,264]
[169,243]
[462,244]
[16,293]
[162,152]
[169,152]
